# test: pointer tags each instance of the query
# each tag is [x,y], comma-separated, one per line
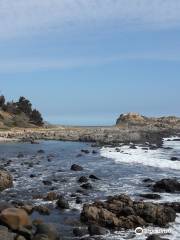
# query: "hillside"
[18,114]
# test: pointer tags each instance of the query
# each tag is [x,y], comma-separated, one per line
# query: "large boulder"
[15,218]
[167,185]
[121,212]
[46,232]
[6,180]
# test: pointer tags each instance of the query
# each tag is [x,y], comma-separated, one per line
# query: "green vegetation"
[19,114]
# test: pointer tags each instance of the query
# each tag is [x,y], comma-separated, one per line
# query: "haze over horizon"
[86,62]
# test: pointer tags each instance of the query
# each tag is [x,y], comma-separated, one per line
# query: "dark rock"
[133,147]
[47,182]
[83,179]
[47,230]
[174,159]
[79,155]
[85,151]
[148,180]
[167,185]
[40,151]
[155,237]
[32,176]
[150,196]
[94,177]
[80,232]
[62,203]
[97,230]
[76,167]
[86,186]
[94,152]
[20,155]
[78,200]
[127,211]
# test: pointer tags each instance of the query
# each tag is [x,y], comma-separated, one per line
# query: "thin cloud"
[24,17]
[30,65]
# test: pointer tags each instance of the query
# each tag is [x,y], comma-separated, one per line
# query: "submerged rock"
[94,177]
[76,167]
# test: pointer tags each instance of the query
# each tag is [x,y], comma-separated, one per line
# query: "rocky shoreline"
[99,218]
[100,135]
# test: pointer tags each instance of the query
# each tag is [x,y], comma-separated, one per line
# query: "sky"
[84,62]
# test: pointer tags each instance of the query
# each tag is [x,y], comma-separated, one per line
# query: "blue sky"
[86,62]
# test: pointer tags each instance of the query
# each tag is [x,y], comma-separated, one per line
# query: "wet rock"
[19,237]
[78,200]
[5,234]
[150,196]
[47,182]
[32,176]
[83,179]
[51,196]
[20,155]
[121,212]
[6,180]
[148,180]
[85,151]
[174,205]
[174,159]
[62,203]
[46,231]
[41,237]
[79,155]
[97,230]
[4,205]
[167,185]
[155,237]
[28,208]
[80,232]
[93,177]
[133,147]
[86,186]
[15,218]
[76,167]
[40,151]
[41,209]
[94,152]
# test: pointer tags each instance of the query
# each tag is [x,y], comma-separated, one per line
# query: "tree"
[11,107]
[2,101]
[36,118]
[24,105]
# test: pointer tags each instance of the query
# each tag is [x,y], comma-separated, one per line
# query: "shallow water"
[120,172]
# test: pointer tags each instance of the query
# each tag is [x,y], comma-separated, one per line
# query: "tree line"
[23,105]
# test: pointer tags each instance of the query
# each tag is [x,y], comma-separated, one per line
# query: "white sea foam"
[160,158]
